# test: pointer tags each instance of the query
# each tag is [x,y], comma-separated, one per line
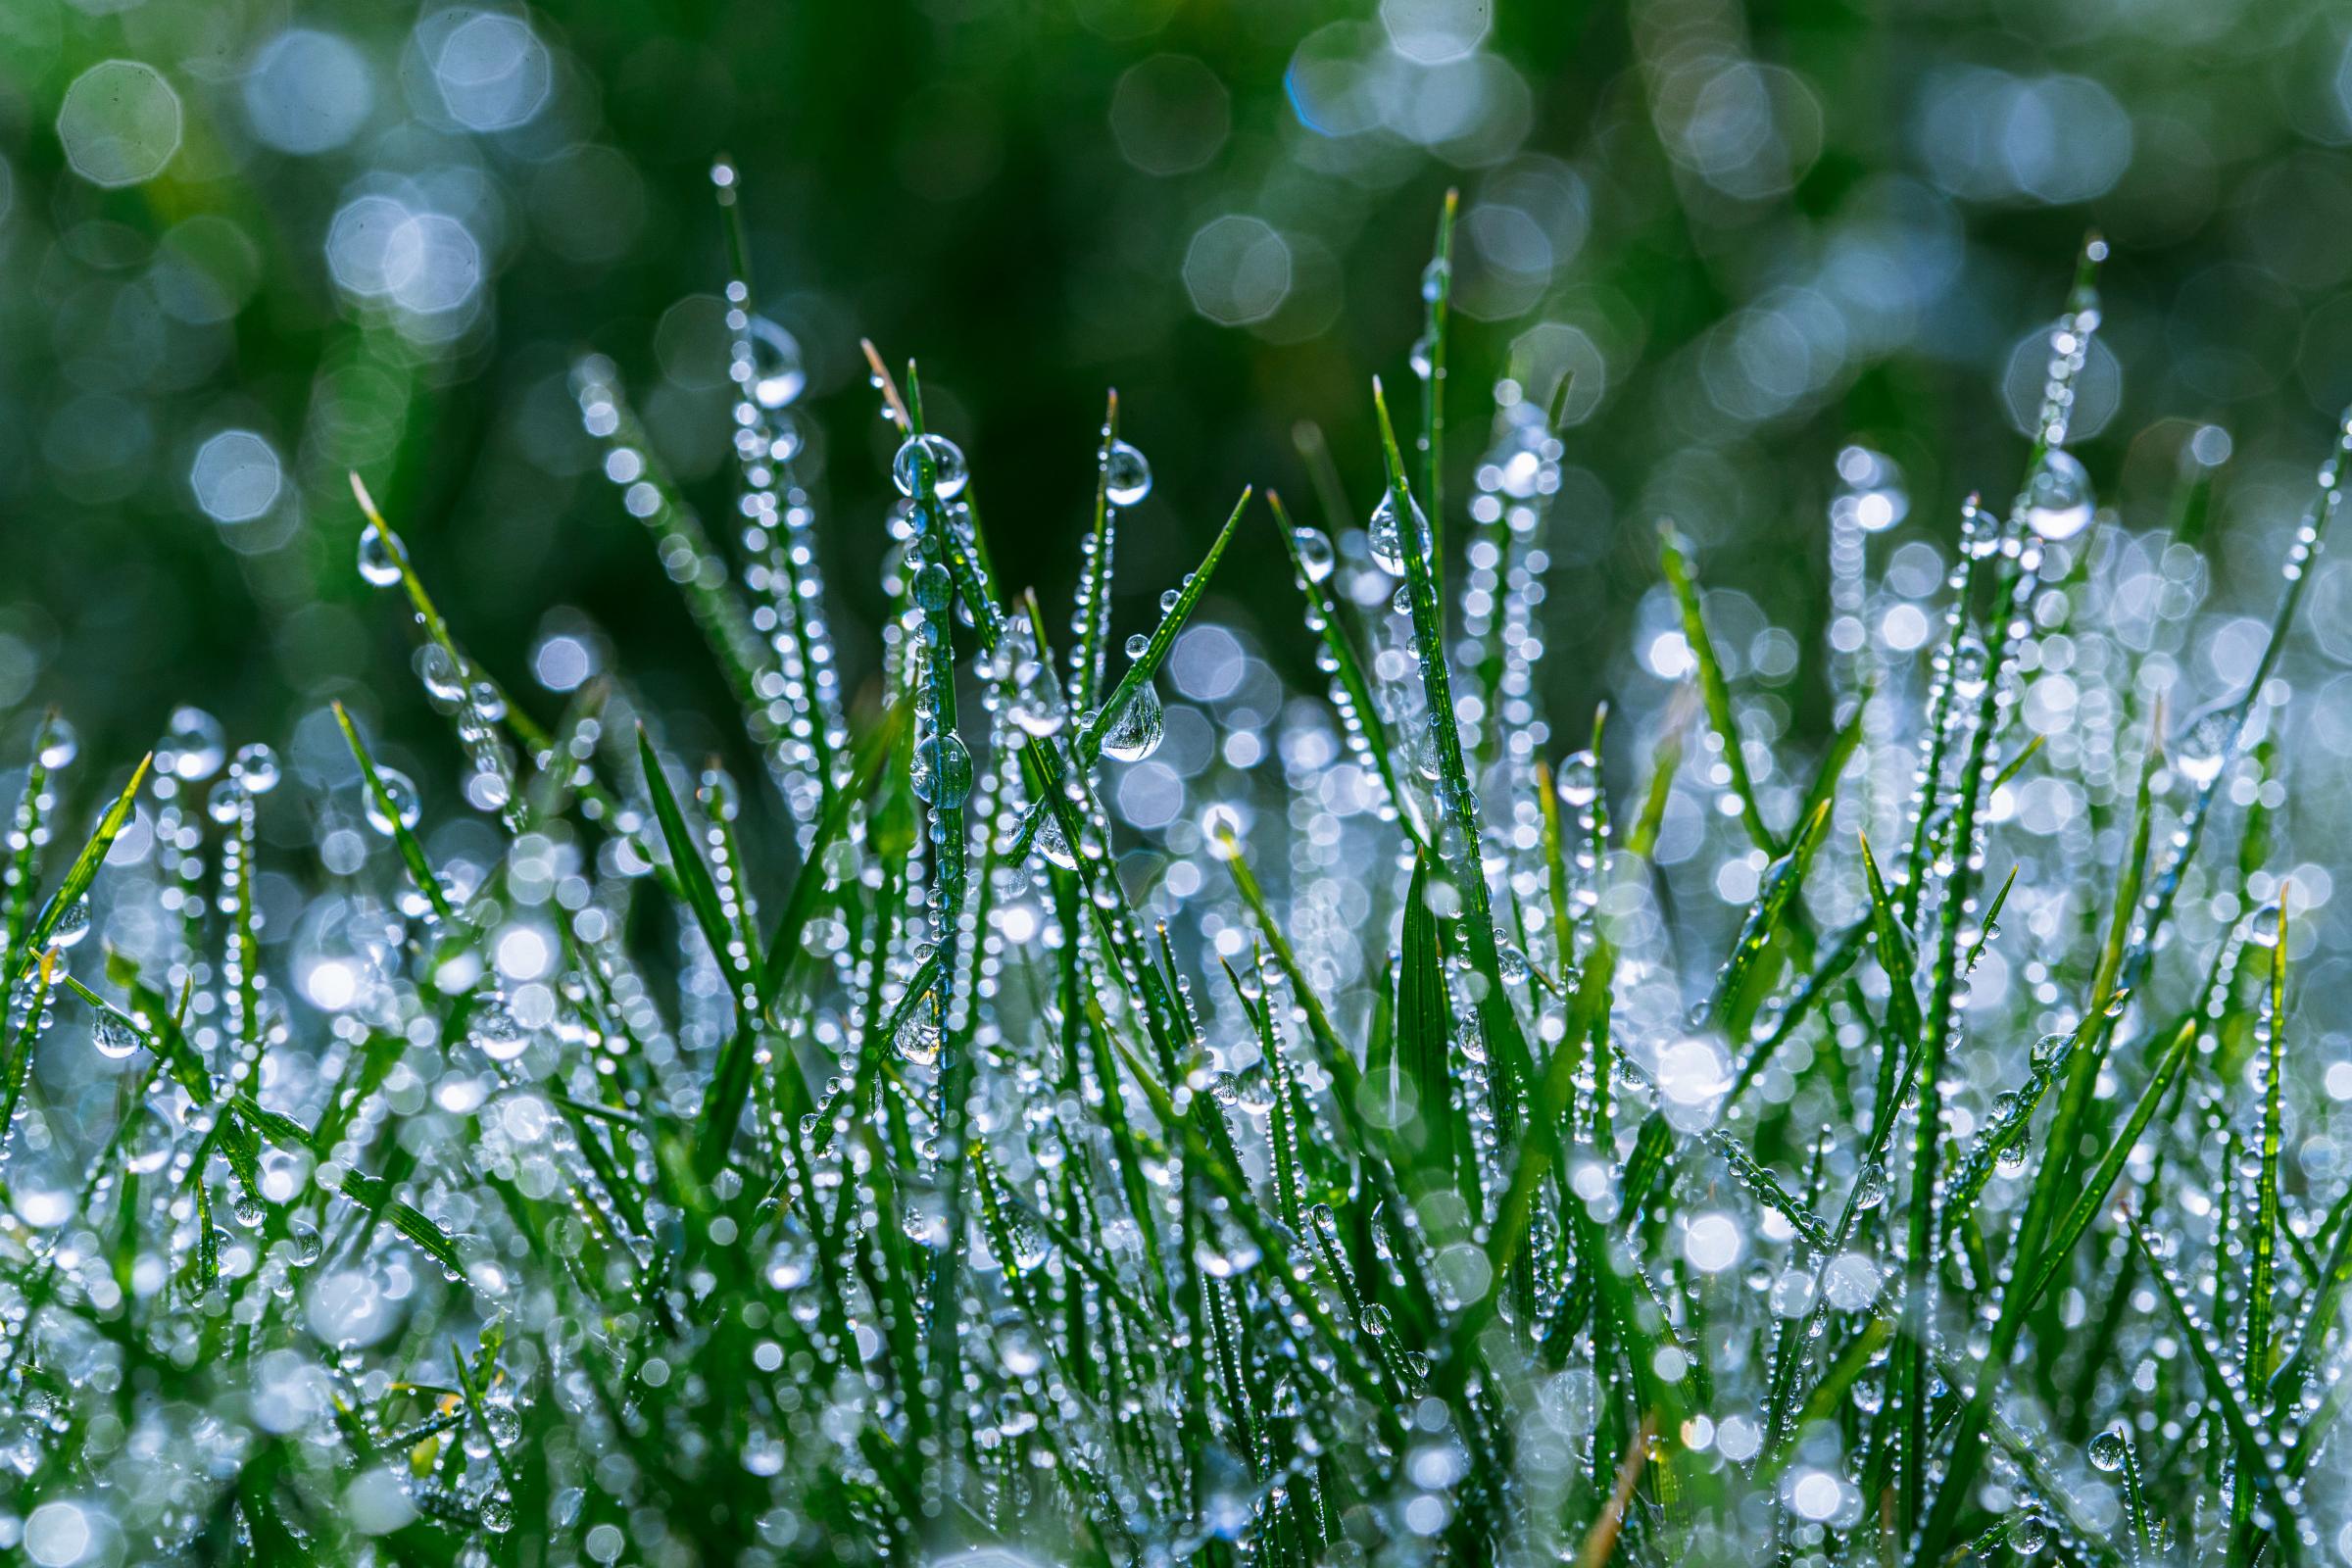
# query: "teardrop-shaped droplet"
[377,563]
[1314,554]
[1140,727]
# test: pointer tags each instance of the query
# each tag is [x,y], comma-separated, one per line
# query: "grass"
[897,1157]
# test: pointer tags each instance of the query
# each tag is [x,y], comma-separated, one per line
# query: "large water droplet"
[2058,498]
[942,772]
[1314,554]
[949,475]
[59,744]
[194,745]
[401,790]
[377,563]
[1140,727]
[774,376]
[1388,540]
[1126,476]
[114,1037]
[2107,1451]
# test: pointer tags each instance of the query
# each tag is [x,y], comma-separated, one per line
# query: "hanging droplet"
[72,924]
[1315,553]
[1434,278]
[2058,498]
[1388,539]
[774,374]
[1054,845]
[401,791]
[917,1037]
[1424,356]
[2107,1451]
[949,475]
[114,1037]
[377,562]
[1140,727]
[308,1247]
[1870,1190]
[1126,476]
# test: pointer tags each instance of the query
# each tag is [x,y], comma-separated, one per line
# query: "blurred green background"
[249,246]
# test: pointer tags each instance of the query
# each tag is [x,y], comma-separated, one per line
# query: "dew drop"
[401,792]
[377,563]
[1126,476]
[1140,727]
[2058,498]
[949,475]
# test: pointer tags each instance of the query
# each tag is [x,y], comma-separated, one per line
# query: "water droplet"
[949,475]
[1126,476]
[776,376]
[72,924]
[254,768]
[1140,727]
[114,1037]
[1870,1189]
[377,563]
[942,772]
[2107,1451]
[308,1247]
[1054,845]
[2058,498]
[1315,557]
[1870,494]
[194,745]
[495,1030]
[1579,781]
[1388,540]
[934,588]
[2206,743]
[918,1039]
[1434,278]
[401,791]
[58,745]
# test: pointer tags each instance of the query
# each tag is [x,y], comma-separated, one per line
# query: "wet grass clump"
[1896,1149]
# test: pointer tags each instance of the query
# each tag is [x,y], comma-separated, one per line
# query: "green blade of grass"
[79,876]
[1713,687]
[403,837]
